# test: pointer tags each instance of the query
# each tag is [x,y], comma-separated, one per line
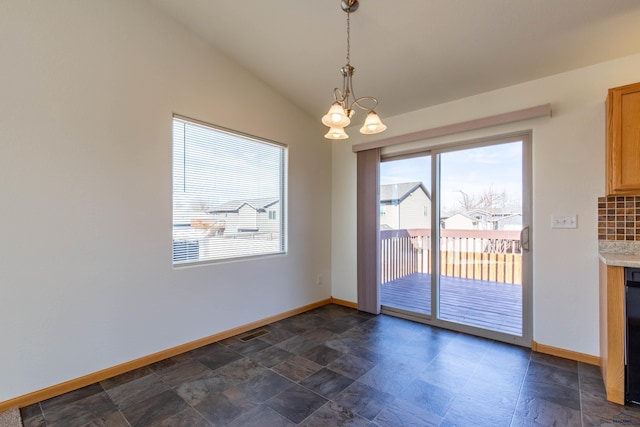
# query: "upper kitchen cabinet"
[623,140]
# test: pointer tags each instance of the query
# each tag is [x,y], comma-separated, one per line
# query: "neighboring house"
[405,206]
[250,215]
[509,222]
[483,219]
[495,220]
[478,219]
[459,221]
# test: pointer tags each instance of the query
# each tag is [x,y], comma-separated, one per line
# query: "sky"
[474,171]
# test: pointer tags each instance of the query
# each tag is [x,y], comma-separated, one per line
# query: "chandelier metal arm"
[343,95]
[343,98]
[371,99]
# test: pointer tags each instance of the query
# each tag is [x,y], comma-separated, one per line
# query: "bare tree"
[200,205]
[490,200]
[468,201]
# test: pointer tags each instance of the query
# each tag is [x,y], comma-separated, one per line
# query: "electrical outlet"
[319,279]
[564,221]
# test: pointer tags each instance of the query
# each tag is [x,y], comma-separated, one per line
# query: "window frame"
[283,190]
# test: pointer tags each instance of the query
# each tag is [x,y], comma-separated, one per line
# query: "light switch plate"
[564,221]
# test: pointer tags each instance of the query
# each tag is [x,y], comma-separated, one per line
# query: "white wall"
[459,222]
[87,92]
[568,176]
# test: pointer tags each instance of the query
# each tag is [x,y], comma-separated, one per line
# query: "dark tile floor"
[335,366]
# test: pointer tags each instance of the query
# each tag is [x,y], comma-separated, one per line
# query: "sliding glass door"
[480,251]
[405,234]
[454,238]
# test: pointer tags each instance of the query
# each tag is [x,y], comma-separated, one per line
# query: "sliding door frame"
[527,256]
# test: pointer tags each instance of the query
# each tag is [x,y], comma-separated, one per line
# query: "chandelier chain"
[348,37]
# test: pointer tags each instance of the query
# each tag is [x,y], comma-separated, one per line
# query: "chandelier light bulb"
[372,124]
[336,117]
[336,133]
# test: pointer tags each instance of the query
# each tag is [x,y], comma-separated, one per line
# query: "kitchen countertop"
[620,260]
[619,253]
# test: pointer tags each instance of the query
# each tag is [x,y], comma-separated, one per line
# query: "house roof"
[508,216]
[462,214]
[235,205]
[498,216]
[398,192]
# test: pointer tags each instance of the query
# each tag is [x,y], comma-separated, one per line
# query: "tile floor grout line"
[524,378]
[388,341]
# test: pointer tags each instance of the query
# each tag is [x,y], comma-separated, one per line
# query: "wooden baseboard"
[74,384]
[567,354]
[344,303]
[89,379]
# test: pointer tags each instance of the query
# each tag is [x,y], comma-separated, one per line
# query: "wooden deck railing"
[472,254]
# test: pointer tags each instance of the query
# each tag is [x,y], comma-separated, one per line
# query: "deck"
[490,305]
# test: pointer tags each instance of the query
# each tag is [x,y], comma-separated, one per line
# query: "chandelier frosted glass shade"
[372,124]
[336,133]
[336,117]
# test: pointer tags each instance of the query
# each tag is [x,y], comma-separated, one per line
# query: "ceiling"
[410,54]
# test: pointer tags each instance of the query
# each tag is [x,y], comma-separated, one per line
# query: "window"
[226,188]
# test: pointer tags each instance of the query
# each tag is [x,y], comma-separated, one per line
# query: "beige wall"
[87,93]
[412,211]
[409,213]
[267,225]
[568,177]
[390,216]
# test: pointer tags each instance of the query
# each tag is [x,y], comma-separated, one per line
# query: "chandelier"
[342,110]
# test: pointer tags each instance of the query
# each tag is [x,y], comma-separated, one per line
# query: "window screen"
[229,194]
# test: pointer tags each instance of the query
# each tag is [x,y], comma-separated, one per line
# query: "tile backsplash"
[619,218]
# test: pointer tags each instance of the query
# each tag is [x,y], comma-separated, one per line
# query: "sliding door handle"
[524,238]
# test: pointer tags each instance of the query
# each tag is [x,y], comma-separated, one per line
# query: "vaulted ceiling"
[410,54]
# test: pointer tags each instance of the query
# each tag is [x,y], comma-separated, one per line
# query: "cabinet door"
[623,140]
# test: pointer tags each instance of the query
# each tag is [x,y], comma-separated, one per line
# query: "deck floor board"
[491,305]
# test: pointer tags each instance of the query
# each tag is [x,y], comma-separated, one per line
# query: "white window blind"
[229,194]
